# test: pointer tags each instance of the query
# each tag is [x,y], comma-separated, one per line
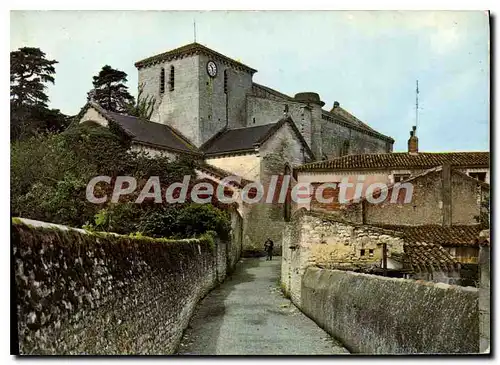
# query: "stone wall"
[377,315]
[425,206]
[266,110]
[334,135]
[466,196]
[484,299]
[82,293]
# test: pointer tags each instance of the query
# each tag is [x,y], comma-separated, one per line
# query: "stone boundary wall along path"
[377,315]
[94,293]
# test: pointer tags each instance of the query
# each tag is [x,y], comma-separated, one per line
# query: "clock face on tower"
[212,69]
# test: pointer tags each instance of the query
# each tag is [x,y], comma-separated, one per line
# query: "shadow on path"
[248,315]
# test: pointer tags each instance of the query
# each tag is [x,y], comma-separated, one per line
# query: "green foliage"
[30,71]
[50,173]
[110,90]
[144,107]
[190,220]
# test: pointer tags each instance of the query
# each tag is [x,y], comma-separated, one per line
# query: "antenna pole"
[416,108]
[194,28]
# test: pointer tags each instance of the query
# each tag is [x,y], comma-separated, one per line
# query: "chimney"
[413,141]
[336,104]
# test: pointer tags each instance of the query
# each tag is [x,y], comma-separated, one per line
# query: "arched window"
[172,78]
[162,80]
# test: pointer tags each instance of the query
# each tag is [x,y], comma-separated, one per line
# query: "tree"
[144,107]
[111,91]
[29,72]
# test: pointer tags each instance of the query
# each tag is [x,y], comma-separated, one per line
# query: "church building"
[208,106]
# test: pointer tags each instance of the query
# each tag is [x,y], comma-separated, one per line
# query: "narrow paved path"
[248,315]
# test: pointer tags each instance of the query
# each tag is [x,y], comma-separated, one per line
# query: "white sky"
[368,61]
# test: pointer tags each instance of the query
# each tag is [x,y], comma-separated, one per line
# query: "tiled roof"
[188,50]
[246,139]
[424,256]
[443,235]
[148,133]
[396,160]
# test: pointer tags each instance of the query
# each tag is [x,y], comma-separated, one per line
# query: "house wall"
[179,108]
[310,240]
[365,178]
[80,293]
[266,110]
[466,198]
[266,219]
[377,315]
[425,206]
[153,152]
[246,166]
[92,115]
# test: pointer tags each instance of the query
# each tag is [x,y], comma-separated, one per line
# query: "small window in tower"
[370,252]
[172,78]
[253,120]
[162,80]
[362,253]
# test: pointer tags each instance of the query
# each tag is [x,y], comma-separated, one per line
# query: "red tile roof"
[424,256]
[400,160]
[442,235]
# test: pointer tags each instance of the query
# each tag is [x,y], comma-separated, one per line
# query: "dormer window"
[162,80]
[172,78]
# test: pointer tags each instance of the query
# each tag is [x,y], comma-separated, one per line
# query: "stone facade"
[335,137]
[80,293]
[199,105]
[309,240]
[377,315]
[317,239]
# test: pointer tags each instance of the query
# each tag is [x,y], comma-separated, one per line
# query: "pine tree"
[110,90]
[30,71]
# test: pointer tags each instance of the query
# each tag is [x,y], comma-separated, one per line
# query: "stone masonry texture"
[377,315]
[82,293]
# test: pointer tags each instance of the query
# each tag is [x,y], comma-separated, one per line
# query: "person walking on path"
[268,246]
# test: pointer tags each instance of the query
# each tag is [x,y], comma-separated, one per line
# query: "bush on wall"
[50,173]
